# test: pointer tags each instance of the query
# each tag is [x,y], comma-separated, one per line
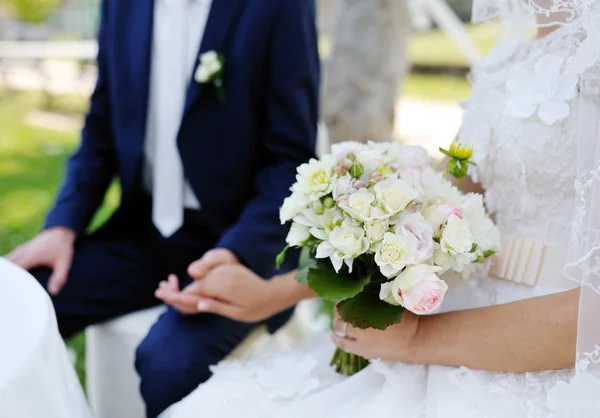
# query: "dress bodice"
[522,121]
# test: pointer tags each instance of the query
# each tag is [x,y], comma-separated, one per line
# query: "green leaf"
[446,153]
[281,257]
[335,287]
[366,310]
[306,259]
[489,253]
[474,248]
[302,276]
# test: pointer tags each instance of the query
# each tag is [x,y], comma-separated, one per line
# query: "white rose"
[398,155]
[358,205]
[343,187]
[344,244]
[443,260]
[396,252]
[456,236]
[415,224]
[455,262]
[394,195]
[210,64]
[298,235]
[437,216]
[293,205]
[484,231]
[315,177]
[202,75]
[412,156]
[376,229]
[320,226]
[343,149]
[436,187]
[209,57]
[414,176]
[370,159]
[418,289]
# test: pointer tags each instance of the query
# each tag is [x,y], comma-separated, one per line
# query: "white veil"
[584,258]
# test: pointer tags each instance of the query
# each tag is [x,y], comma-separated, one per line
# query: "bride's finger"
[347,344]
[207,305]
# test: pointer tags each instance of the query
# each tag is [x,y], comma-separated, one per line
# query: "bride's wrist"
[287,291]
[423,347]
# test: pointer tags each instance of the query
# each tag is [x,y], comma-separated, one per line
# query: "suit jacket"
[239,157]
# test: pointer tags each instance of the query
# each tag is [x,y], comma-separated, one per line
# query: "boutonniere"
[210,70]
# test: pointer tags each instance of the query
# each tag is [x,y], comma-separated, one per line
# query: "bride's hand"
[396,343]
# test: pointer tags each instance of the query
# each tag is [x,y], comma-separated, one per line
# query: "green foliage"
[33,11]
[32,162]
[333,286]
[366,310]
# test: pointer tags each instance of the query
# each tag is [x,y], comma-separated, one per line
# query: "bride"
[505,345]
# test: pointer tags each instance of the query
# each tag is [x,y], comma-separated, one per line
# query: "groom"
[202,174]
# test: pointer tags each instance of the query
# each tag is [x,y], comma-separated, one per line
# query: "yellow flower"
[385,170]
[461,151]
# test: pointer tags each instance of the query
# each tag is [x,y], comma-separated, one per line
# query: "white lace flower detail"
[546,90]
[493,66]
[288,376]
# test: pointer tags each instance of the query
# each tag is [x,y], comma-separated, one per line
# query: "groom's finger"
[59,276]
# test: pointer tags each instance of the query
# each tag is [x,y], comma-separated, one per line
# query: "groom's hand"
[212,259]
[230,290]
[187,302]
[52,248]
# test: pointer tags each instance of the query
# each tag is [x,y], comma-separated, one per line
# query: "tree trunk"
[363,73]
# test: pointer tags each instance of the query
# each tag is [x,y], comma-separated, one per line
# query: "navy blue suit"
[239,158]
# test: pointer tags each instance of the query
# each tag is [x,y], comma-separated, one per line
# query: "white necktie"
[168,176]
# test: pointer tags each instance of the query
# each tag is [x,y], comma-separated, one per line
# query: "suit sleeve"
[92,167]
[292,108]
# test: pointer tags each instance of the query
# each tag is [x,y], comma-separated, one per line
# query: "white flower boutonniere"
[210,70]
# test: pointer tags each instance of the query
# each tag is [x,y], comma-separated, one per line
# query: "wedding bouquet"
[377,225]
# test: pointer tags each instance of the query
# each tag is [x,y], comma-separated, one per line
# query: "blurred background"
[392,69]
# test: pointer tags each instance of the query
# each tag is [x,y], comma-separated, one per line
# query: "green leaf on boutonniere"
[366,310]
[333,286]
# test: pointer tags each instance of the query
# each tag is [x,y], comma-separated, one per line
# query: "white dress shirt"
[178,31]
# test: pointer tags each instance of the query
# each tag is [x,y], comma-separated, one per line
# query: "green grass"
[31,165]
[436,87]
[434,48]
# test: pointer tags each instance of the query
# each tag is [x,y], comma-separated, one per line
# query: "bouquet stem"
[348,364]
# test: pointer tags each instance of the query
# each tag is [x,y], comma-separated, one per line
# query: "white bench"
[40,50]
[46,56]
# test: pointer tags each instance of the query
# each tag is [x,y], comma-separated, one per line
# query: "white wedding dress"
[523,120]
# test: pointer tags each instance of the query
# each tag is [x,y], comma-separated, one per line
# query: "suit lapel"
[138,55]
[222,14]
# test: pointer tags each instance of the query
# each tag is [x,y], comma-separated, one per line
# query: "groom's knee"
[167,373]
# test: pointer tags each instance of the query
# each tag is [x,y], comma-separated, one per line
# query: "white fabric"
[178,31]
[527,162]
[36,377]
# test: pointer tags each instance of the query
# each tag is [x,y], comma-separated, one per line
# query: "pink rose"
[438,215]
[416,225]
[418,289]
